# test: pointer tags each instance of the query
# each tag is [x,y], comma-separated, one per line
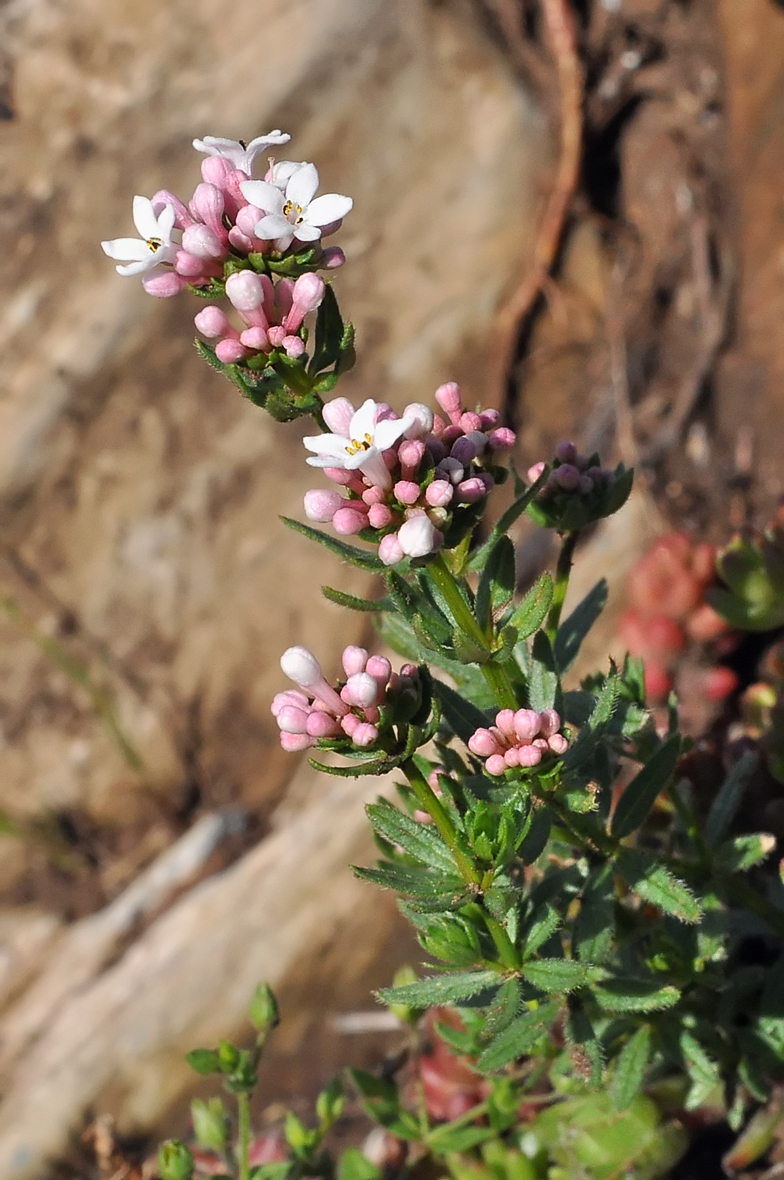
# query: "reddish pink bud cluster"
[321,711]
[573,473]
[666,591]
[519,738]
[272,315]
[437,467]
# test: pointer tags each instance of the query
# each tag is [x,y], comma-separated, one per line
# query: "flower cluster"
[519,738]
[232,227]
[411,481]
[352,710]
[578,490]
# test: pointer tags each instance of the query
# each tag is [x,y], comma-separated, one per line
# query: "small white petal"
[283,171]
[307,233]
[136,268]
[126,248]
[330,207]
[327,444]
[390,430]
[144,218]
[364,421]
[262,195]
[303,185]
[166,222]
[273,226]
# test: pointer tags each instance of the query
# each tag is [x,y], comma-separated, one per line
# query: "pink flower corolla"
[272,315]
[404,478]
[317,710]
[239,154]
[520,738]
[296,212]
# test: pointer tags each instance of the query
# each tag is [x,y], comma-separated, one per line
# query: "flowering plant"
[593,918]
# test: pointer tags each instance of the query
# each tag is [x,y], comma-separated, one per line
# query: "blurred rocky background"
[576,212]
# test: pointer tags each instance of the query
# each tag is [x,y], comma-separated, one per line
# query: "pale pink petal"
[327,208]
[263,195]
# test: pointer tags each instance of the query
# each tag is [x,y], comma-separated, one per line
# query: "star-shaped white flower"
[154,245]
[239,154]
[363,446]
[294,213]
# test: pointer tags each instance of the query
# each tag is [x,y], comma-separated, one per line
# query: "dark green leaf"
[447,1138]
[543,682]
[449,988]
[351,602]
[657,885]
[555,975]
[634,995]
[356,1166]
[545,923]
[461,716]
[644,789]
[584,1047]
[497,583]
[703,1072]
[374,766]
[532,611]
[535,841]
[419,840]
[358,557]
[204,1061]
[630,1068]
[329,332]
[743,852]
[519,1037]
[573,631]
[412,881]
[594,928]
[727,802]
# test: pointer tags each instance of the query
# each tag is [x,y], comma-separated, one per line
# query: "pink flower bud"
[374,495]
[407,491]
[379,516]
[390,550]
[291,697]
[512,757]
[294,347]
[189,265]
[307,295]
[380,669]
[360,690]
[203,242]
[529,755]
[321,725]
[566,452]
[292,720]
[164,284]
[489,418]
[340,475]
[244,290]
[585,485]
[483,743]
[495,765]
[354,660]
[241,241]
[332,258]
[410,453]
[349,521]
[349,723]
[321,504]
[549,722]
[276,336]
[439,493]
[535,472]
[211,321]
[470,421]
[364,735]
[502,439]
[471,490]
[301,666]
[230,352]
[448,398]
[452,470]
[293,743]
[417,537]
[247,219]
[567,477]
[338,414]
[215,169]
[558,744]
[207,205]
[182,217]
[372,714]
[256,339]
[526,724]
[505,721]
[423,420]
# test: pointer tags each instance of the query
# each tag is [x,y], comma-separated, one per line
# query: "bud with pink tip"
[338,414]
[483,743]
[439,493]
[203,242]
[301,666]
[566,452]
[354,659]
[307,295]
[212,322]
[293,743]
[332,258]
[294,347]
[558,744]
[164,284]
[423,420]
[230,352]
[349,521]
[502,439]
[380,669]
[470,421]
[290,697]
[535,472]
[418,537]
[410,453]
[364,735]
[360,690]
[529,756]
[406,491]
[207,205]
[322,725]
[215,169]
[566,477]
[276,335]
[255,339]
[321,505]
[390,550]
[495,765]
[182,217]
[189,266]
[244,291]
[470,491]
[293,720]
[380,516]
[549,722]
[448,398]
[526,724]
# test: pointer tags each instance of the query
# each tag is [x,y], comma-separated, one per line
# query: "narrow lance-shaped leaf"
[644,789]
[358,557]
[727,802]
[497,582]
[450,988]
[630,1068]
[635,995]
[532,611]
[555,975]
[419,840]
[543,682]
[573,631]
[519,1037]
[351,602]
[656,885]
[461,716]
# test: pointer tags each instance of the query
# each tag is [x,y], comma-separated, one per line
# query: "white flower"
[294,213]
[363,446]
[154,244]
[240,155]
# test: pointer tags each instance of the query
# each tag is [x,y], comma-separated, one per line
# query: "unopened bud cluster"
[577,491]
[411,481]
[518,739]
[352,710]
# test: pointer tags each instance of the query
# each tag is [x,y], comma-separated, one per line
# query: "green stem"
[430,802]
[501,940]
[494,674]
[243,1145]
[562,571]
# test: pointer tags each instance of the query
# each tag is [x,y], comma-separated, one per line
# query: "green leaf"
[449,988]
[573,631]
[497,582]
[329,332]
[703,1072]
[461,716]
[630,1068]
[412,881]
[634,995]
[538,834]
[419,840]
[544,924]
[727,802]
[585,1049]
[743,852]
[351,602]
[505,522]
[555,975]
[645,788]
[204,1061]
[594,928]
[543,682]
[358,557]
[447,1138]
[276,1170]
[374,766]
[532,611]
[519,1037]
[657,885]
[356,1166]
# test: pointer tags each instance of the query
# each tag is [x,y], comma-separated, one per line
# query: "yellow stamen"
[154,244]
[357,445]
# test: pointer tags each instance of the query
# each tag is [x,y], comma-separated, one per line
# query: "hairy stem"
[243,1143]
[562,572]
[430,803]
